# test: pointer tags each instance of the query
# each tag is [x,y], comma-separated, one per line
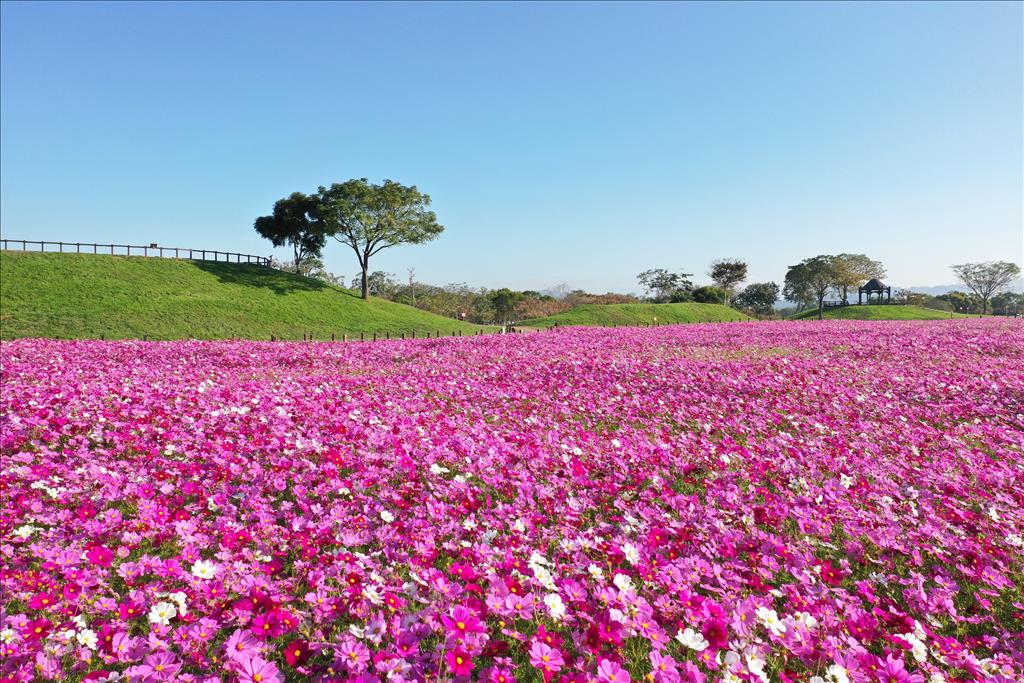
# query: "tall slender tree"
[728,274]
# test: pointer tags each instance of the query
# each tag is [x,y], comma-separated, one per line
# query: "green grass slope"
[639,314]
[88,296]
[891,312]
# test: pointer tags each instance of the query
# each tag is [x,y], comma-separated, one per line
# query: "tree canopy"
[368,217]
[759,297]
[810,280]
[986,279]
[295,222]
[853,270]
[665,286]
[728,273]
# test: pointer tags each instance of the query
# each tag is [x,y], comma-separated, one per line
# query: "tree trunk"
[366,282]
[821,305]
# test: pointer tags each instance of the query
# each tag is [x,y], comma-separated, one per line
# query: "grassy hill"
[639,314]
[892,312]
[88,296]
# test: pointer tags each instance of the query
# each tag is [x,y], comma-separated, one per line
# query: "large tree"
[853,270]
[664,286]
[812,277]
[986,279]
[728,273]
[369,217]
[295,222]
[759,297]
[504,302]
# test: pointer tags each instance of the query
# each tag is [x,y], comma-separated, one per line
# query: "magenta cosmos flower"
[459,662]
[461,623]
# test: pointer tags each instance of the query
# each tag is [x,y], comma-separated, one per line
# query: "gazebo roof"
[873,285]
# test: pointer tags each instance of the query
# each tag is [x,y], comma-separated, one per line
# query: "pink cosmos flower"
[258,670]
[241,645]
[545,658]
[501,675]
[129,609]
[609,671]
[459,662]
[892,670]
[42,601]
[266,625]
[355,655]
[461,623]
[100,556]
[161,666]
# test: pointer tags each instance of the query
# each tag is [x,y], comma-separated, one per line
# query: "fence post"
[344,337]
[362,336]
[374,336]
[387,334]
[332,336]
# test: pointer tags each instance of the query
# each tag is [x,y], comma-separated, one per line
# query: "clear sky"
[576,143]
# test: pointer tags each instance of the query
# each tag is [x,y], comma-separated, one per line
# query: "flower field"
[812,502]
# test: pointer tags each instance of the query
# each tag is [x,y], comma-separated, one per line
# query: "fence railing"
[151,250]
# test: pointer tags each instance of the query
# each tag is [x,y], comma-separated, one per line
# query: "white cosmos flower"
[387,516]
[7,636]
[162,613]
[623,582]
[755,664]
[24,531]
[178,598]
[631,553]
[692,639]
[556,608]
[918,648]
[87,637]
[595,571]
[204,569]
[770,618]
[836,674]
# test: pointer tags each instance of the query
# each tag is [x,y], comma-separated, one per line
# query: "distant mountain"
[936,290]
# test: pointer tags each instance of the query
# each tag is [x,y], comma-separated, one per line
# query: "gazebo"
[876,287]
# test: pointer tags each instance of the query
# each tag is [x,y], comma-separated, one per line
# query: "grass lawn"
[880,312]
[88,296]
[639,314]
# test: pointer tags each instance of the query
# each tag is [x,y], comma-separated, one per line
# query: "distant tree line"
[665,286]
[368,218]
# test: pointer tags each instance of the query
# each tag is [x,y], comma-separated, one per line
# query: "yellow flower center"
[297,653]
[460,625]
[458,660]
[257,677]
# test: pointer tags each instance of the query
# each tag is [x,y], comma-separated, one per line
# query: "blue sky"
[576,143]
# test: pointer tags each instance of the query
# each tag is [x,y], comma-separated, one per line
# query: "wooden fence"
[152,250]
